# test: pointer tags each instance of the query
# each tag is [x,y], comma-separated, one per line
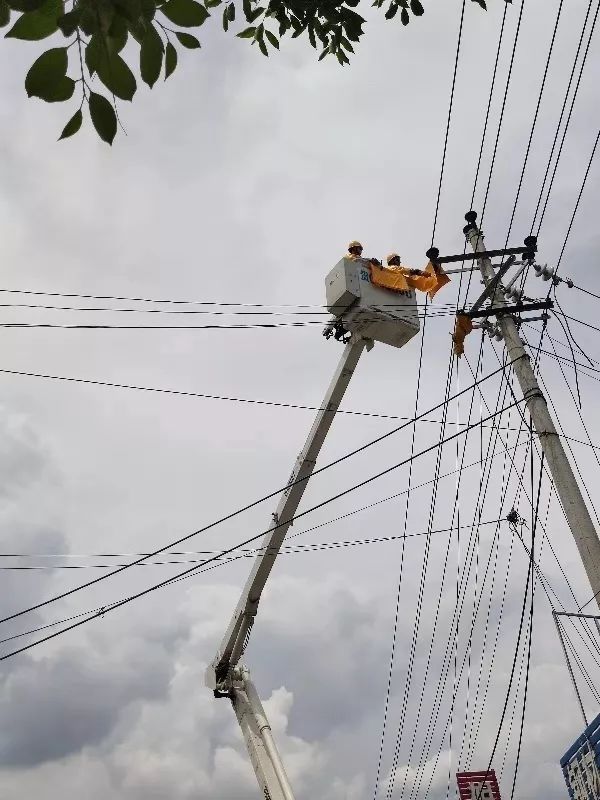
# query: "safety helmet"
[391,257]
[355,244]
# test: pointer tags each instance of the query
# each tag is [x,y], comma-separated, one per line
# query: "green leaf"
[212,3]
[72,126]
[345,43]
[46,73]
[404,16]
[170,60]
[25,5]
[231,12]
[187,40]
[187,13]
[225,20]
[117,35]
[63,90]
[148,9]
[483,5]
[247,8]
[151,56]
[116,75]
[130,9]
[416,8]
[324,53]
[138,29]
[103,117]
[4,13]
[311,36]
[35,25]
[94,52]
[89,21]
[391,12]
[263,47]
[247,34]
[273,40]
[69,23]
[255,14]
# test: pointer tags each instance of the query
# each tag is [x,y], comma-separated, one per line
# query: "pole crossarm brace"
[219,675]
[528,251]
[576,512]
[500,310]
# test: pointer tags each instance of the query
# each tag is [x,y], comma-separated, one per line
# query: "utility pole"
[576,512]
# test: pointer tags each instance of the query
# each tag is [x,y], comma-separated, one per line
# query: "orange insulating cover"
[399,279]
[462,328]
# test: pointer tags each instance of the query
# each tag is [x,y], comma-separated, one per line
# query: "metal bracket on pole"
[518,308]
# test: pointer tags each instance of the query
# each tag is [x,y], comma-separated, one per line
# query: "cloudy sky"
[241,181]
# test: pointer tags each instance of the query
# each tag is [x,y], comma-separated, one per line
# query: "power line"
[195,311]
[560,119]
[168,301]
[567,123]
[535,119]
[450,104]
[288,549]
[585,177]
[502,110]
[248,541]
[205,396]
[260,500]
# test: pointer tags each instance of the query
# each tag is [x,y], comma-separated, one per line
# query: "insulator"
[498,335]
[543,272]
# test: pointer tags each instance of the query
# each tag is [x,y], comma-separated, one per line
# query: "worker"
[393,260]
[355,250]
[429,280]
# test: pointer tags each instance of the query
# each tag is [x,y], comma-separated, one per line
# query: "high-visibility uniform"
[462,327]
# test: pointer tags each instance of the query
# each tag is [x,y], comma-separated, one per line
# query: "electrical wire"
[558,126]
[502,110]
[450,104]
[567,123]
[241,510]
[572,220]
[241,544]
[287,549]
[535,119]
[400,576]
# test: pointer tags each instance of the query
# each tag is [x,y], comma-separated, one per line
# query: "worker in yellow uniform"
[399,278]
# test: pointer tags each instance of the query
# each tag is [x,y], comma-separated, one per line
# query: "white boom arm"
[224,675]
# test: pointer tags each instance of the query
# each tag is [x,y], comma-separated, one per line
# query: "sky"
[240,181]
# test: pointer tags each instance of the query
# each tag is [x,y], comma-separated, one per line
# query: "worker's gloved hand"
[375,262]
[415,272]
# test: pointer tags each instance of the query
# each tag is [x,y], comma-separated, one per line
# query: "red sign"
[478,785]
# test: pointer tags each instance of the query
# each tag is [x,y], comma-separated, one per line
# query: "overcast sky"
[241,180]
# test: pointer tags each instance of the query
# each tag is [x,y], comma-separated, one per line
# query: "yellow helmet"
[391,257]
[355,244]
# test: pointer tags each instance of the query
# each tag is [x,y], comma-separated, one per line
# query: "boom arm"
[219,675]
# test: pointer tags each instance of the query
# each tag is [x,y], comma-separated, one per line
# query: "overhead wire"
[241,510]
[535,119]
[400,577]
[194,568]
[570,114]
[560,119]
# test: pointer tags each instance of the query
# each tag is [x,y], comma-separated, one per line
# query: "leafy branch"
[98,31]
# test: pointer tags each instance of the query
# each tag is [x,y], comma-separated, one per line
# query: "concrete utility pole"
[576,512]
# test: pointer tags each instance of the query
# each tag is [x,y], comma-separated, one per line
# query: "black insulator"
[531,243]
[529,255]
[470,217]
[433,254]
